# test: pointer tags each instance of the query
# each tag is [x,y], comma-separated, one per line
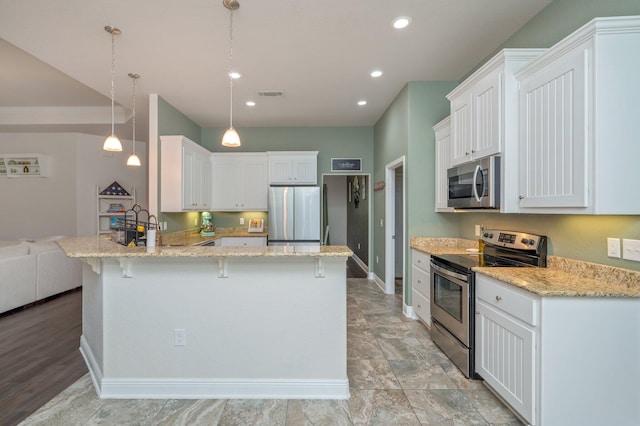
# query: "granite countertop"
[562,277]
[102,247]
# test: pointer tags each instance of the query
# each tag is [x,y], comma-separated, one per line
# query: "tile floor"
[396,374]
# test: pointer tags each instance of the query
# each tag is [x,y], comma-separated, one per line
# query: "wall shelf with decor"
[112,204]
[24,165]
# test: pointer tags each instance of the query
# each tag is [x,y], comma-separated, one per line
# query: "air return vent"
[271,93]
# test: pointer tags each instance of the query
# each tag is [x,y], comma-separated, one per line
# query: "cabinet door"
[280,170]
[243,241]
[224,192]
[443,141]
[205,182]
[487,113]
[504,357]
[255,186]
[305,170]
[553,145]
[461,130]
[188,172]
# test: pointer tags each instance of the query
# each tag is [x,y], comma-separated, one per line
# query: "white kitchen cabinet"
[421,285]
[483,107]
[579,122]
[240,182]
[185,175]
[505,342]
[293,167]
[443,140]
[243,241]
[559,360]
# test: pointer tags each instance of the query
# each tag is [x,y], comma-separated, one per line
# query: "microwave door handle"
[475,177]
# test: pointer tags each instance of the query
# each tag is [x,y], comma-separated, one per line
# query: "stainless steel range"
[453,292]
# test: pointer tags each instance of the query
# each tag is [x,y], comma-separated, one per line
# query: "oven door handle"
[449,273]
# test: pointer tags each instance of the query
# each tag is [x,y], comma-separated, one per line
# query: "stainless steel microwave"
[475,185]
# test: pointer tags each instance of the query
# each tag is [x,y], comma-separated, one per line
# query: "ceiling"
[56,58]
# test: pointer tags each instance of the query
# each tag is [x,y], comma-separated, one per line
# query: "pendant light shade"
[231,138]
[133,159]
[112,143]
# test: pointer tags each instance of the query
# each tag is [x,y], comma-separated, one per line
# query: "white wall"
[337,209]
[63,203]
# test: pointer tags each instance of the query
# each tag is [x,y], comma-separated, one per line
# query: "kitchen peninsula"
[213,322]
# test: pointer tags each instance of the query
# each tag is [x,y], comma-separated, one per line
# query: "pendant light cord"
[133,103]
[113,77]
[231,70]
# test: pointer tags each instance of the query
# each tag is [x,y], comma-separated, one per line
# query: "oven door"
[450,301]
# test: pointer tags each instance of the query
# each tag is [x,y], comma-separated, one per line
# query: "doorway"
[346,215]
[395,231]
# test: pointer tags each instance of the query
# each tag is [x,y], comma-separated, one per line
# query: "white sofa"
[32,270]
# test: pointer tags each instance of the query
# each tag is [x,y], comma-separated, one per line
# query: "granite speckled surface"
[102,247]
[562,277]
[192,237]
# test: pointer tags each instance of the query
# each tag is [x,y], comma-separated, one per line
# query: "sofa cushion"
[13,250]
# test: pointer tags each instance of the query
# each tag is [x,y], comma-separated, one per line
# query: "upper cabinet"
[293,167]
[482,105]
[24,165]
[579,127]
[484,118]
[443,140]
[240,182]
[185,175]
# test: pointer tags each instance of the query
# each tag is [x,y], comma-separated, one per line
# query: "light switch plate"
[631,250]
[613,247]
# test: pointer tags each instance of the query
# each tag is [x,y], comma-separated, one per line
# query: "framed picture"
[346,164]
[256,225]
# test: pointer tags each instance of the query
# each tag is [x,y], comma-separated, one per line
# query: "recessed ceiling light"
[376,73]
[251,103]
[235,75]
[401,22]
[362,103]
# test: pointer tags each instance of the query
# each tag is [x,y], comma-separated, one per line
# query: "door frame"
[369,200]
[389,229]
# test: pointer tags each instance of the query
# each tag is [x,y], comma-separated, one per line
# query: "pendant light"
[133,159]
[231,137]
[112,143]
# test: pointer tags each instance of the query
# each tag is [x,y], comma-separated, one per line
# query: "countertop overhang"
[101,247]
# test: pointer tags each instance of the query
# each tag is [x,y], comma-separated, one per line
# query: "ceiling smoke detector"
[271,93]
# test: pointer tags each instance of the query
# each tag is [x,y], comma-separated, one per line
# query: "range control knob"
[524,241]
[486,235]
[531,242]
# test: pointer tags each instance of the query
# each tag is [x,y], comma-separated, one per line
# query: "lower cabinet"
[559,360]
[505,343]
[243,241]
[420,285]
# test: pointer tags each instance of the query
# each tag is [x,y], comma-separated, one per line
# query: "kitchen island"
[213,322]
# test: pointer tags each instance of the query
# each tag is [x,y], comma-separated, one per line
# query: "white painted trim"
[389,230]
[377,280]
[62,115]
[152,168]
[92,364]
[360,263]
[224,389]
[409,312]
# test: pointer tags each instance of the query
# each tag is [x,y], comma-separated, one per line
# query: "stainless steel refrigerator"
[294,215]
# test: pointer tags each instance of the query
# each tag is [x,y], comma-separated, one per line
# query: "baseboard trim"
[360,263]
[210,388]
[378,281]
[409,312]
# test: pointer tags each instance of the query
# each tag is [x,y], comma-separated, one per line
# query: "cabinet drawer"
[420,280]
[420,259]
[507,299]
[421,307]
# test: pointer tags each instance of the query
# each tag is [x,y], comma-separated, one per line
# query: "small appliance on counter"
[207,228]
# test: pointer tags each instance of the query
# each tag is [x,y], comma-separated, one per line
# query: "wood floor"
[39,355]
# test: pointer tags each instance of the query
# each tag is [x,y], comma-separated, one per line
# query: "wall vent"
[271,93]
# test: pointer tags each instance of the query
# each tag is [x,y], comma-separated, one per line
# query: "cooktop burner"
[468,261]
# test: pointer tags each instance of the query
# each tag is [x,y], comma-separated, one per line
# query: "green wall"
[575,236]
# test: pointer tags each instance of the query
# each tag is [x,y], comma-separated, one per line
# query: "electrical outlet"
[195,221]
[631,250]
[358,246]
[377,260]
[164,226]
[381,223]
[477,230]
[179,337]
[242,221]
[613,247]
